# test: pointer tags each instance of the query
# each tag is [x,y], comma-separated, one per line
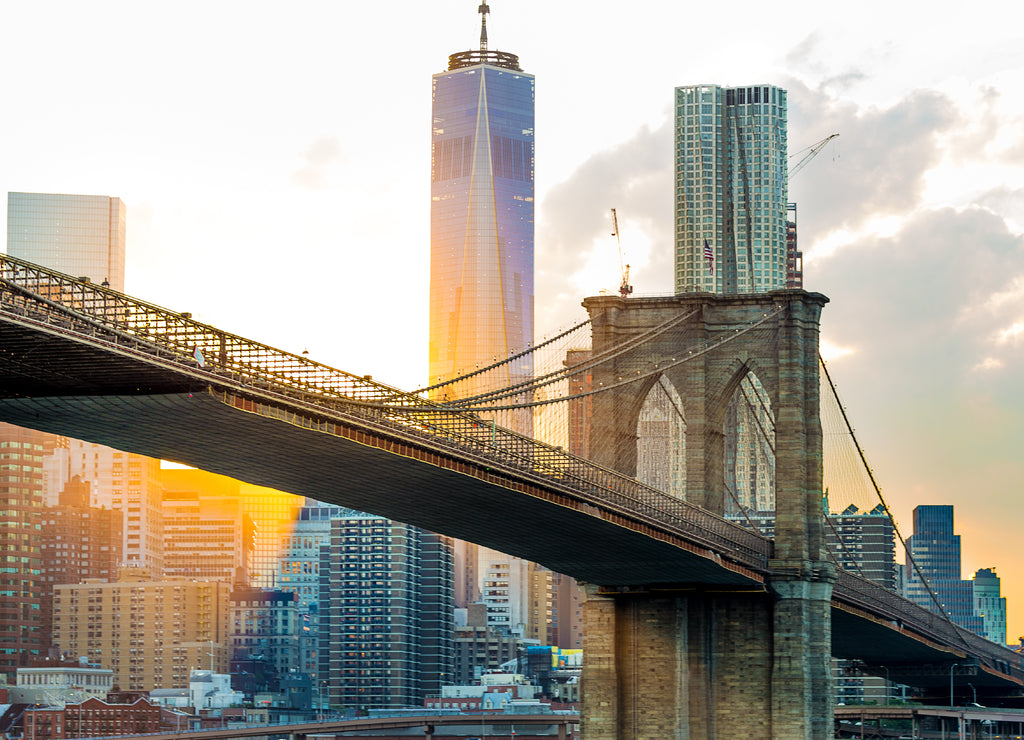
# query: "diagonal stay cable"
[562,373]
[842,410]
[508,360]
[693,354]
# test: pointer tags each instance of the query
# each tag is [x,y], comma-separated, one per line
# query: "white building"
[209,690]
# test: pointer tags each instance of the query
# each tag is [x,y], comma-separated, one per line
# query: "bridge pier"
[707,664]
[712,661]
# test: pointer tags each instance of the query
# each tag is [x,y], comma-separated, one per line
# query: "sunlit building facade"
[130,484]
[150,632]
[21,488]
[81,235]
[731,189]
[77,541]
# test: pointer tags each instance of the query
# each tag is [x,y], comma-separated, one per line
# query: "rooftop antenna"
[483,10]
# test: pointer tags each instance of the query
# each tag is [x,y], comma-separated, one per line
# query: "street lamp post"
[885,686]
[951,669]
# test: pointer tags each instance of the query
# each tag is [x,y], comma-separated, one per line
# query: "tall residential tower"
[732,236]
[731,189]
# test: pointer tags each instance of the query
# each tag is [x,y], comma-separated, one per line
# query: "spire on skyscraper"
[483,55]
[484,9]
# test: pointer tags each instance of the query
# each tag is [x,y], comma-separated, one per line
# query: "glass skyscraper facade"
[81,235]
[990,605]
[481,242]
[731,189]
[481,215]
[936,551]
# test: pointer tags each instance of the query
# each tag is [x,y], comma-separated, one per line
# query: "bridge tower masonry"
[696,660]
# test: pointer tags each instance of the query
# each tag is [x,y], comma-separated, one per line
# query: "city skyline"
[910,222]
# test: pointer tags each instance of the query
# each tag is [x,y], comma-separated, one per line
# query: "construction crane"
[811,153]
[624,287]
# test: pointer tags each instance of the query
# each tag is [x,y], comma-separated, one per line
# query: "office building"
[150,632]
[480,649]
[264,636]
[21,489]
[207,532]
[990,606]
[481,234]
[130,484]
[481,212]
[864,543]
[935,550]
[84,236]
[264,518]
[731,189]
[273,514]
[299,574]
[80,235]
[386,614]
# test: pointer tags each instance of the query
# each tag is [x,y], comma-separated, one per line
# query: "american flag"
[710,257]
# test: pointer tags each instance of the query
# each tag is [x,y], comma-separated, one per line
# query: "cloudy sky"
[274,160]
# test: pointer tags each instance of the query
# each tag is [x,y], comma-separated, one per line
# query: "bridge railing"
[206,352]
[191,342]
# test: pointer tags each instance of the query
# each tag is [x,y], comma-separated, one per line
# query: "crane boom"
[811,153]
[624,287]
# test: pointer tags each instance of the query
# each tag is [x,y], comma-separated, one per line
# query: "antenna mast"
[483,10]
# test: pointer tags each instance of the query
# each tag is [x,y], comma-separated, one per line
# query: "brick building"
[91,718]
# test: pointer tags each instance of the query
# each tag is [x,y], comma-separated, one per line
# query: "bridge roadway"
[497,724]
[84,361]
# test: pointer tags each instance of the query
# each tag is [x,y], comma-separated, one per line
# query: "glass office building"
[80,235]
[481,215]
[936,551]
[731,189]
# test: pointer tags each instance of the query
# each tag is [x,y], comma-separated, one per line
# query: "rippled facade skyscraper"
[731,189]
[481,214]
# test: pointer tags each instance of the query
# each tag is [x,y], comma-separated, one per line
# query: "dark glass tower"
[481,213]
[936,550]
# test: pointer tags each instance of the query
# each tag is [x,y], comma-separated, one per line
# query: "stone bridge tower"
[678,661]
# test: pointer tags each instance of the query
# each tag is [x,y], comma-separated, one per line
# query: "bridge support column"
[689,666]
[801,680]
